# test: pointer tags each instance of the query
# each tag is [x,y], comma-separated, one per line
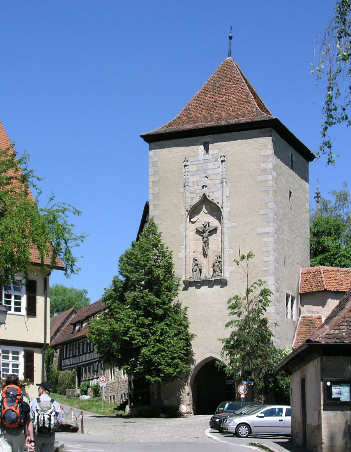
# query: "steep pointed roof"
[226,97]
[35,255]
[226,102]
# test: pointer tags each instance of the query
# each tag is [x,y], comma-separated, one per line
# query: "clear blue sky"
[80,80]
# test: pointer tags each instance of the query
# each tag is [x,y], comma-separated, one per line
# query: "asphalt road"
[104,433]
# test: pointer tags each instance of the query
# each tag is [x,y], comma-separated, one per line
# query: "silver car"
[273,419]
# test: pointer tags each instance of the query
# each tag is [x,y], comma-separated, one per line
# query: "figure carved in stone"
[205,231]
[196,269]
[217,267]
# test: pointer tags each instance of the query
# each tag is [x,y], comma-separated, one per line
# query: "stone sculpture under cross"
[205,231]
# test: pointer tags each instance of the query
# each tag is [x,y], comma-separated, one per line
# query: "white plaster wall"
[319,302]
[311,372]
[28,328]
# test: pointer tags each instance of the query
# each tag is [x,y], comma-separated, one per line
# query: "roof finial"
[230,43]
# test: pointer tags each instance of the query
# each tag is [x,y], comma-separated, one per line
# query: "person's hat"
[45,385]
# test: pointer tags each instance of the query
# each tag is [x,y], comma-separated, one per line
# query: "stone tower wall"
[247,176]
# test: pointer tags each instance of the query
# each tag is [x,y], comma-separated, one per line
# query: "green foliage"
[84,386]
[330,235]
[23,223]
[248,351]
[144,330]
[51,371]
[96,389]
[62,298]
[66,380]
[334,69]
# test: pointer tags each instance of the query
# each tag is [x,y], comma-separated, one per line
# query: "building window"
[13,297]
[206,146]
[290,308]
[11,361]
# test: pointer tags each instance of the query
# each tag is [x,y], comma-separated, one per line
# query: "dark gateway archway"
[209,388]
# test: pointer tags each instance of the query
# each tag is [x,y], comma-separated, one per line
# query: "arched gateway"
[208,386]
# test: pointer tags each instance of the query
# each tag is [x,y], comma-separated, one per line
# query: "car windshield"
[248,410]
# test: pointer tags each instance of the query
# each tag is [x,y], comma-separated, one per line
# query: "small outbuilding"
[320,371]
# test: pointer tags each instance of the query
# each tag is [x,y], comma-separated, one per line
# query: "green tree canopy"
[62,298]
[334,69]
[144,330]
[24,223]
[330,237]
[248,351]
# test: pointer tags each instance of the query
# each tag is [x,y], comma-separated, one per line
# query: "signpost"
[102,382]
[242,390]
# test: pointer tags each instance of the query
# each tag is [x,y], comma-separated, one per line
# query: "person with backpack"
[16,428]
[46,414]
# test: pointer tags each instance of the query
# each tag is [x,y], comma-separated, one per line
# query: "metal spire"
[230,42]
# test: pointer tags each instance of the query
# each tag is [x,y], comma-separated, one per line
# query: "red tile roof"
[58,320]
[35,256]
[317,279]
[306,326]
[69,333]
[337,327]
[226,98]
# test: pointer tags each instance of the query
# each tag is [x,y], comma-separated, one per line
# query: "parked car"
[224,409]
[272,419]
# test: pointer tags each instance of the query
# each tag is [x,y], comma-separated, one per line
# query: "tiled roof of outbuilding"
[306,326]
[35,256]
[337,327]
[317,279]
[226,97]
[68,333]
[59,319]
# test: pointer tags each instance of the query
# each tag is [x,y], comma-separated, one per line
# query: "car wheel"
[243,430]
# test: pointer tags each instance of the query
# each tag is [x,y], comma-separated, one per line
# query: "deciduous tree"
[144,330]
[248,351]
[62,298]
[25,224]
[330,238]
[334,69]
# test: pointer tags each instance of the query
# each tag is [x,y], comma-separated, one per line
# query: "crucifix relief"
[205,232]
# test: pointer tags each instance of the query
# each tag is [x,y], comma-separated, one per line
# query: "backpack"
[13,409]
[44,417]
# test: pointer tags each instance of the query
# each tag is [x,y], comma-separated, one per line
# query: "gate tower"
[226,175]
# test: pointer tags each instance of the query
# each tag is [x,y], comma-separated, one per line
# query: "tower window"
[206,146]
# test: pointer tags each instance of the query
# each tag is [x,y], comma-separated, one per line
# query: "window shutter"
[31,297]
[29,365]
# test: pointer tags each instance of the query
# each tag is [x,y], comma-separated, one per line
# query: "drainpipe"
[43,376]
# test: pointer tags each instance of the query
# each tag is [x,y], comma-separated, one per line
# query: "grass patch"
[93,405]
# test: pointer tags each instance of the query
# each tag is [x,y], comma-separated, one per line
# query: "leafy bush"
[84,387]
[66,380]
[51,371]
[96,390]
